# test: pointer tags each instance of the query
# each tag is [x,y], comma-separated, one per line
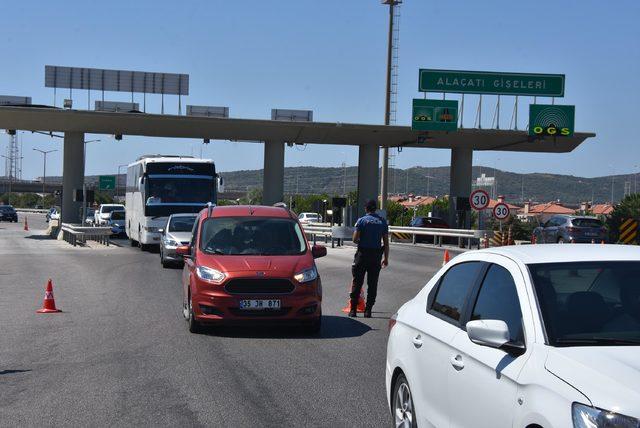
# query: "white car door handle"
[456,362]
[417,341]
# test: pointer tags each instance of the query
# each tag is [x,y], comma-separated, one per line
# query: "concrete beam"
[460,184]
[368,166]
[72,175]
[273,180]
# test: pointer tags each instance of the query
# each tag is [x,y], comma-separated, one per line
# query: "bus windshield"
[178,190]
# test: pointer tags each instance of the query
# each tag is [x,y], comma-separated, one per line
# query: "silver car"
[176,232]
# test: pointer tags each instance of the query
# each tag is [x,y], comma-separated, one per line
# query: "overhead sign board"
[434,115]
[291,115]
[486,82]
[479,200]
[208,111]
[116,80]
[550,119]
[7,100]
[107,182]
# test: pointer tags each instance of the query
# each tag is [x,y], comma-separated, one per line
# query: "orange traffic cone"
[446,257]
[361,303]
[49,304]
[26,224]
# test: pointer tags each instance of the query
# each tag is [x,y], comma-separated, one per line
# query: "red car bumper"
[215,305]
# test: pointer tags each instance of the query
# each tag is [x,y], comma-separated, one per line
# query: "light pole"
[84,186]
[387,106]
[8,172]
[118,178]
[44,166]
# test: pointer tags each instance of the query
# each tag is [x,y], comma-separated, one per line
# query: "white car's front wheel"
[404,415]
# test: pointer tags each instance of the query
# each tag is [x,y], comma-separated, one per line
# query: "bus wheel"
[133,243]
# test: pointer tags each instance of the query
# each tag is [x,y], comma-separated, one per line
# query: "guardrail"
[73,233]
[329,232]
[30,210]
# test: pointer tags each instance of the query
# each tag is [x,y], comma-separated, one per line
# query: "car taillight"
[392,321]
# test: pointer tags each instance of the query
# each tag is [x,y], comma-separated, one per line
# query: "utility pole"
[387,106]
[44,167]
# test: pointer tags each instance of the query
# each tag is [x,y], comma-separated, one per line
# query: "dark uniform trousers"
[366,261]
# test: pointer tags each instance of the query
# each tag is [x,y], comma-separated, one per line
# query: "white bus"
[158,186]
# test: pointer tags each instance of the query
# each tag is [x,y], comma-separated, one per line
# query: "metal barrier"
[30,210]
[73,234]
[319,229]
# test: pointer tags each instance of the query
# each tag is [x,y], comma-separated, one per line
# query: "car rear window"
[586,222]
[181,224]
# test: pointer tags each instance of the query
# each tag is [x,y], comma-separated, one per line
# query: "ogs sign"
[553,120]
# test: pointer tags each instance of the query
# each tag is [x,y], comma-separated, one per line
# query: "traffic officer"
[372,237]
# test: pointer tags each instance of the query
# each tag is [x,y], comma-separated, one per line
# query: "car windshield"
[252,235]
[589,303]
[586,222]
[117,215]
[107,209]
[181,224]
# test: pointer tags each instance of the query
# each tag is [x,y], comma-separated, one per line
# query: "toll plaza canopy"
[274,134]
[256,130]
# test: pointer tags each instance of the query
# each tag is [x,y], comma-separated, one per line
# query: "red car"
[250,264]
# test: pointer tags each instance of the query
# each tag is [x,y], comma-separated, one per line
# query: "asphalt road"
[120,353]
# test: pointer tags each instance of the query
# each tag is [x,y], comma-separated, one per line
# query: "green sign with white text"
[434,115]
[485,82]
[550,119]
[107,182]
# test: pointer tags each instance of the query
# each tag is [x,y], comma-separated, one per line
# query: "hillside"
[540,187]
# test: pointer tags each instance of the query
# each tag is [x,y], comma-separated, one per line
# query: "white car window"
[454,288]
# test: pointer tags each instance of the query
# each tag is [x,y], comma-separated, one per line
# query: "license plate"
[258,305]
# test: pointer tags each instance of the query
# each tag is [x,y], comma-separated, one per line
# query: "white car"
[522,336]
[309,218]
[103,213]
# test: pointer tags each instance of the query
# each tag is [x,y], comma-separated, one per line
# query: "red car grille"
[259,286]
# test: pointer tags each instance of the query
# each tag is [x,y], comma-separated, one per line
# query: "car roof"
[250,211]
[558,253]
[183,215]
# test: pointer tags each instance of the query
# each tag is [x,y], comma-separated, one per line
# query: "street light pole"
[387,107]
[44,167]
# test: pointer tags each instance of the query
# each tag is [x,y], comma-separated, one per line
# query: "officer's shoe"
[367,312]
[352,313]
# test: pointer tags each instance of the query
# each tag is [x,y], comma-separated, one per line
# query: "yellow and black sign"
[401,235]
[628,231]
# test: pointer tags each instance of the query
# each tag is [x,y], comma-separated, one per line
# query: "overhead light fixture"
[118,137]
[67,103]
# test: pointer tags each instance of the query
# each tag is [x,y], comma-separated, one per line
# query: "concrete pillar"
[368,159]
[273,181]
[460,184]
[72,175]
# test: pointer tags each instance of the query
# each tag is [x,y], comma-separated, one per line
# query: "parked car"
[571,229]
[102,214]
[53,214]
[521,336]
[433,223]
[251,264]
[176,232]
[309,218]
[8,213]
[116,222]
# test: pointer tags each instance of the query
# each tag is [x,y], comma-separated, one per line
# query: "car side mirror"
[318,251]
[183,250]
[494,334]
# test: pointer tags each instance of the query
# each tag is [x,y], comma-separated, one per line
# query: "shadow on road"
[333,327]
[4,372]
[39,237]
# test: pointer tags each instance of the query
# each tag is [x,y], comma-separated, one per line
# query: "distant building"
[540,213]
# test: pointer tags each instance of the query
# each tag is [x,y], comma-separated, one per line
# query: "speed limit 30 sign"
[479,200]
[501,211]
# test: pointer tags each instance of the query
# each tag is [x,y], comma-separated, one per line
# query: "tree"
[628,208]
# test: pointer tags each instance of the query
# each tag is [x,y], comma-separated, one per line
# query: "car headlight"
[590,417]
[210,275]
[306,275]
[170,242]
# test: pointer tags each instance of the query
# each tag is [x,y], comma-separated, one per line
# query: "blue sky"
[329,56]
